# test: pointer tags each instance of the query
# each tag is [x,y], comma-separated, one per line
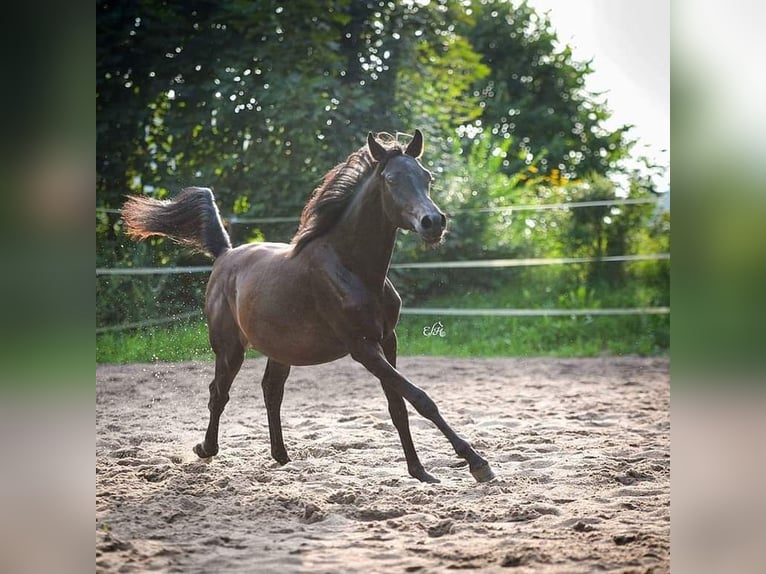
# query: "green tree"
[536,94]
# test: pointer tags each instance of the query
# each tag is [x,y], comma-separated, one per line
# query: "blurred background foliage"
[258,100]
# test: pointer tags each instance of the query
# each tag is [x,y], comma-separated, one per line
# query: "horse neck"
[364,237]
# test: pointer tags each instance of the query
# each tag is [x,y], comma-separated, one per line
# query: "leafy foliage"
[536,94]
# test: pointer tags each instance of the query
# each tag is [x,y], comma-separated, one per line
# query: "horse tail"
[190,219]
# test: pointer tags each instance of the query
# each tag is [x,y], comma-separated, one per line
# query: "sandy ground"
[581,449]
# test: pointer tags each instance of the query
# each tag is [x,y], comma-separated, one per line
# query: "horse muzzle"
[431,227]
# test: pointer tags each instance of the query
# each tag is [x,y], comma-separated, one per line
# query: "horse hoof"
[483,473]
[200,451]
[423,476]
[281,457]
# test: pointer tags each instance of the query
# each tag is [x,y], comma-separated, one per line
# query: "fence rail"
[434,312]
[235,219]
[148,322]
[475,264]
[446,311]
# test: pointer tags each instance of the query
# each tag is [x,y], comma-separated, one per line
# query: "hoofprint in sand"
[581,449]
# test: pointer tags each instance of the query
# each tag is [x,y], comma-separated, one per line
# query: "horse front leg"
[273,385]
[398,411]
[370,354]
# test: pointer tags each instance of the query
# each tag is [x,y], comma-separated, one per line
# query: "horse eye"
[390,177]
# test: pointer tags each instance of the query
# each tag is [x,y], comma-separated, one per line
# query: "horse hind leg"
[229,355]
[273,385]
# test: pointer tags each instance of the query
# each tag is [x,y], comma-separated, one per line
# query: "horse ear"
[377,151]
[415,148]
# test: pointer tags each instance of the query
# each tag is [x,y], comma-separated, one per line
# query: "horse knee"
[424,405]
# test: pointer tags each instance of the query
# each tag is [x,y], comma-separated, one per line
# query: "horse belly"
[290,333]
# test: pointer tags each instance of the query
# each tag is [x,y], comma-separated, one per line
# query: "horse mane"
[330,199]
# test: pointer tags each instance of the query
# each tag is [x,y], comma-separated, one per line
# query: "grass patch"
[561,336]
[581,336]
[182,342]
[574,336]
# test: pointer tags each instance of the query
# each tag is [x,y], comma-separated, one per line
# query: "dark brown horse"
[324,296]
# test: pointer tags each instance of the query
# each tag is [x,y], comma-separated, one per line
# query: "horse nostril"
[435,221]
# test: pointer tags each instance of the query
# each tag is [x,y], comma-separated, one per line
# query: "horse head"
[405,185]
